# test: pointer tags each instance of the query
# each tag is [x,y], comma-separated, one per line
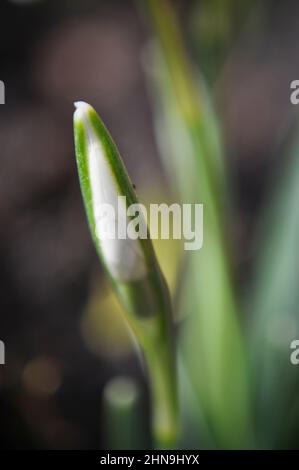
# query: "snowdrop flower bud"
[123,257]
[107,193]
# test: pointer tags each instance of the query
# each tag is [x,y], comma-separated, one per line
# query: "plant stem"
[161,365]
[122,417]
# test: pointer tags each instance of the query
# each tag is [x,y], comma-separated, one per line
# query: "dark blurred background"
[59,353]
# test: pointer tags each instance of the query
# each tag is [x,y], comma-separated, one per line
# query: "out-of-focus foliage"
[274,309]
[211,342]
[213,28]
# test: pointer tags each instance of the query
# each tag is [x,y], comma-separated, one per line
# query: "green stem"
[163,388]
[122,417]
[155,334]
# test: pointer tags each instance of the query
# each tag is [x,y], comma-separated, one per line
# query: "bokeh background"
[59,321]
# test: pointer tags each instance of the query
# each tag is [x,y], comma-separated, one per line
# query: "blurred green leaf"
[214,28]
[274,306]
[212,344]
